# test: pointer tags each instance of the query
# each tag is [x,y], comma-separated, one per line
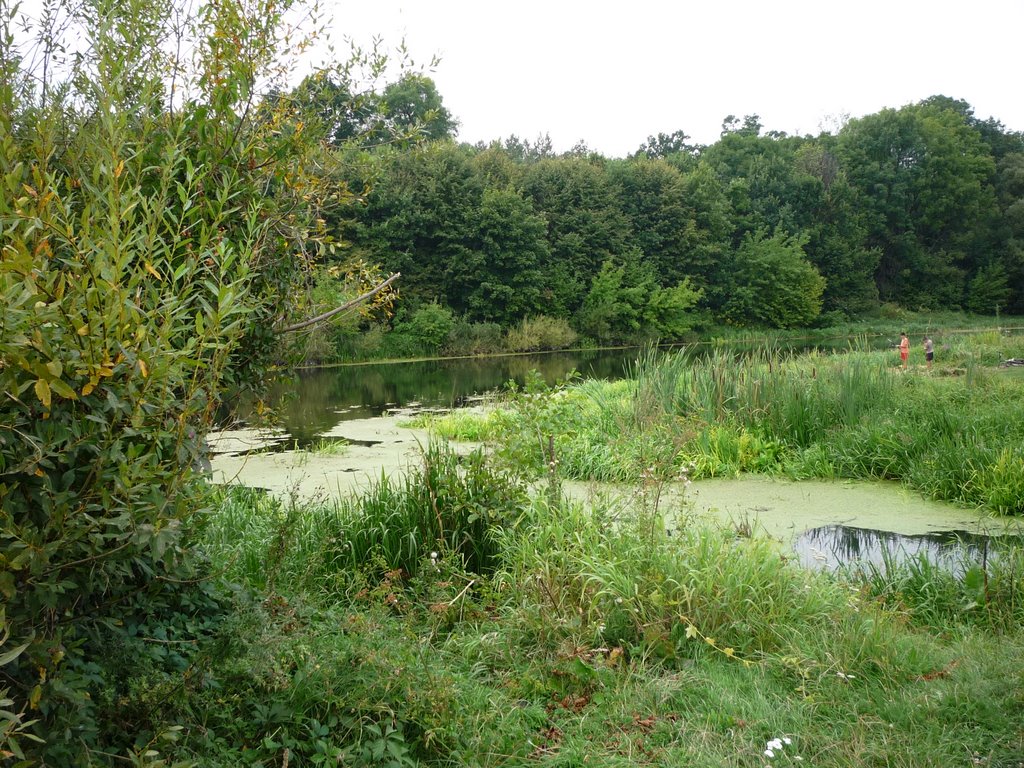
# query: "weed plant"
[452,506]
[987,592]
[461,425]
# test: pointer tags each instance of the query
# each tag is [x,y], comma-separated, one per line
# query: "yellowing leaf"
[35,696]
[119,170]
[143,368]
[55,368]
[43,392]
[729,652]
[83,330]
[88,388]
[152,270]
[691,631]
[62,389]
[709,640]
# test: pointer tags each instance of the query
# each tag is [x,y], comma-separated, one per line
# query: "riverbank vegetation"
[171,202]
[451,618]
[953,433]
[159,218]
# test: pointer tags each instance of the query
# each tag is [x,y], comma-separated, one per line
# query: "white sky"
[613,73]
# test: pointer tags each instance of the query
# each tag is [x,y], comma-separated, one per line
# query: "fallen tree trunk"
[338,310]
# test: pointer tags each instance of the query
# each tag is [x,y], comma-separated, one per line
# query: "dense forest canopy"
[920,207]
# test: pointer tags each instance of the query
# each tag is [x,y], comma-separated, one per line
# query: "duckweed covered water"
[824,523]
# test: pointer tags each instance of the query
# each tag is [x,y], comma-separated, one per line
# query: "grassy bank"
[450,620]
[953,433]
[411,340]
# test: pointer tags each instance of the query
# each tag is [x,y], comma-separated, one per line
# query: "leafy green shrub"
[149,254]
[427,328]
[468,338]
[540,333]
[771,283]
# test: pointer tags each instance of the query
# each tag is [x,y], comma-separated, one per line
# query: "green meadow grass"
[590,637]
[453,617]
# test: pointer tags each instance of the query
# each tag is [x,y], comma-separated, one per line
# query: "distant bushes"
[538,333]
[467,338]
[433,330]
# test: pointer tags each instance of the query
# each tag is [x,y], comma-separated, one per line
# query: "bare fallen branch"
[338,310]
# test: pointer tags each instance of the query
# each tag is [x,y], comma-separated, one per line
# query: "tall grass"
[452,507]
[986,591]
[616,577]
[952,437]
[591,636]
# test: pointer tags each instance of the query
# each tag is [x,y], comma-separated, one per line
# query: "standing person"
[929,351]
[904,349]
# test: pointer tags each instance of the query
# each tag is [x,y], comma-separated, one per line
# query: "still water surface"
[322,398]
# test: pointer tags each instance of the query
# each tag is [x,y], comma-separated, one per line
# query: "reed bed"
[956,435]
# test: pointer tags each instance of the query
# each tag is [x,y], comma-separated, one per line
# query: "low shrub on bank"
[452,506]
[468,338]
[540,333]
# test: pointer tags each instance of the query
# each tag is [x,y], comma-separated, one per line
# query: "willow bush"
[157,218]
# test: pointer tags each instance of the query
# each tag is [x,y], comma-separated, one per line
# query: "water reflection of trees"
[316,400]
[832,546]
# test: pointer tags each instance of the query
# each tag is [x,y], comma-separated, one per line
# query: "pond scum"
[452,617]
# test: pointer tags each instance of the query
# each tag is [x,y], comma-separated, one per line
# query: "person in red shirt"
[904,349]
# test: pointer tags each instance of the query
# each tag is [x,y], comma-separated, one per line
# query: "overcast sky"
[613,73]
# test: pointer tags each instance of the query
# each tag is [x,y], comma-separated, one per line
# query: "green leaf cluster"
[152,240]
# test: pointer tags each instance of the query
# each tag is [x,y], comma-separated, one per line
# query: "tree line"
[921,207]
